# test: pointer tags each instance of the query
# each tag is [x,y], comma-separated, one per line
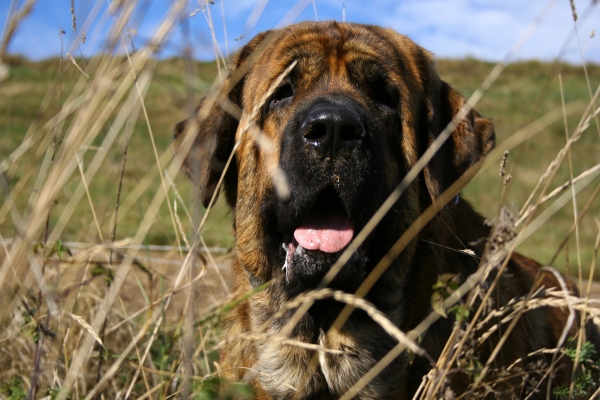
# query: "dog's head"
[324,120]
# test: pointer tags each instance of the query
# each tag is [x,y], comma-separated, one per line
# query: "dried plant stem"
[580,273]
[585,176]
[127,139]
[218,55]
[42,327]
[11,26]
[89,196]
[550,172]
[85,347]
[583,212]
[153,142]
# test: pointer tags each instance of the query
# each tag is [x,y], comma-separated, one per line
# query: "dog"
[313,129]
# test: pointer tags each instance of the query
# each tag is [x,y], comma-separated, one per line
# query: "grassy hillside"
[32,96]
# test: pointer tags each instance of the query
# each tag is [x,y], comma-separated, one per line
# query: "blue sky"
[484,29]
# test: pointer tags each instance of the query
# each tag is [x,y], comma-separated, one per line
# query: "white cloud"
[488,29]
[484,29]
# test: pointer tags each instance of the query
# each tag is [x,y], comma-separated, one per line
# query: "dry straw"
[108,321]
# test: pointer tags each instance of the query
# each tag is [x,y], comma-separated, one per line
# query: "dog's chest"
[332,370]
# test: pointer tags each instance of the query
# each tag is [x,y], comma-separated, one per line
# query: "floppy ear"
[472,139]
[214,129]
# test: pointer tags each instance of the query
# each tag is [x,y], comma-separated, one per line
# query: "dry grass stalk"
[9,31]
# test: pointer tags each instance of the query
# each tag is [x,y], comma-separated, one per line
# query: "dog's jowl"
[325,120]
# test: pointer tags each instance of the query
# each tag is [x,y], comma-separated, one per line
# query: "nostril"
[315,132]
[351,131]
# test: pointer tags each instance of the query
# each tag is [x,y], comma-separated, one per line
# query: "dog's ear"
[213,128]
[471,140]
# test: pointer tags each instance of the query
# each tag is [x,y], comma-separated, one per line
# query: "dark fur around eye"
[381,90]
[373,78]
[386,95]
[283,95]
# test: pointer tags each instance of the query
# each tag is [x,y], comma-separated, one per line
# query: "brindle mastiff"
[342,112]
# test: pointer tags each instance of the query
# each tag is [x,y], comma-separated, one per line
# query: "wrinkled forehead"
[340,51]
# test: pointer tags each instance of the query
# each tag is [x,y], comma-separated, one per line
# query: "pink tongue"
[330,234]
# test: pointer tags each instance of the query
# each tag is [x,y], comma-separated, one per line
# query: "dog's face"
[332,118]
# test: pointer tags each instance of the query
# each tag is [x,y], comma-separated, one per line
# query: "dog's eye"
[282,96]
[387,96]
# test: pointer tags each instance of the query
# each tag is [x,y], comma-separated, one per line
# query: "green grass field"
[166,102]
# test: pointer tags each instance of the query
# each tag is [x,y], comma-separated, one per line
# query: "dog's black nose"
[331,128]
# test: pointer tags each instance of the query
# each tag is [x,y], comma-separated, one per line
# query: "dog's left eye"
[282,96]
[387,96]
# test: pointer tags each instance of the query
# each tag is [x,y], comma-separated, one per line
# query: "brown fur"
[390,89]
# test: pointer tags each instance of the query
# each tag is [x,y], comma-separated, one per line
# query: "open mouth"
[326,228]
[318,242]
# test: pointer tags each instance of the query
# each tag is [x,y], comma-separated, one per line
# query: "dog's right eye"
[282,96]
[386,95]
